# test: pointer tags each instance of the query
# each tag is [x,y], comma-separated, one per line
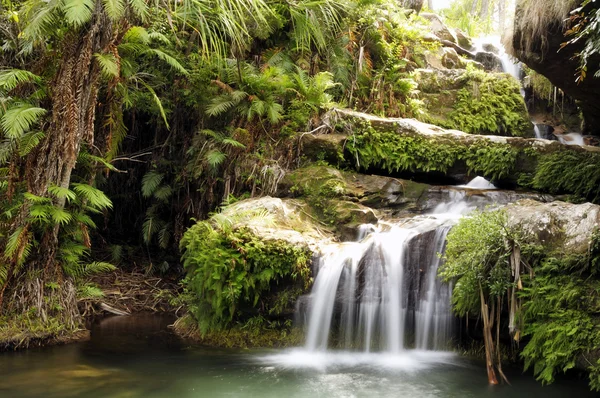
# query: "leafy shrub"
[231,270]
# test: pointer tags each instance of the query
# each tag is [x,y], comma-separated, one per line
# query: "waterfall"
[381,292]
[433,317]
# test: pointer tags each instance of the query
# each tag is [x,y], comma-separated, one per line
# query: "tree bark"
[73,96]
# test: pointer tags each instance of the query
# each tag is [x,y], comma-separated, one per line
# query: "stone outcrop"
[544,54]
[563,226]
[517,168]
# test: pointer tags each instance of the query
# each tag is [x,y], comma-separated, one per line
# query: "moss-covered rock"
[473,101]
[408,148]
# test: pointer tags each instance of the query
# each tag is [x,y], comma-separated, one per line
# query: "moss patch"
[474,101]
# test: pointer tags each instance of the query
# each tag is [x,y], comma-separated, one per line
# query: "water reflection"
[136,357]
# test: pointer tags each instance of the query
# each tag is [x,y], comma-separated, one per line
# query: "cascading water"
[382,292]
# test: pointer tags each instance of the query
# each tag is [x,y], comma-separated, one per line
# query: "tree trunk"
[430,5]
[488,323]
[485,9]
[74,94]
[502,16]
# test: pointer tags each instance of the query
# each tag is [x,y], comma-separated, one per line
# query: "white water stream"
[382,293]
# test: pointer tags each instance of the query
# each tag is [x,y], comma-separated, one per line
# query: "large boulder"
[567,226]
[407,148]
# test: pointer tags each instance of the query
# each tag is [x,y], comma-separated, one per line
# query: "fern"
[78,12]
[172,62]
[29,141]
[140,8]
[17,120]
[95,197]
[114,9]
[11,78]
[215,158]
[62,193]
[163,193]
[89,291]
[18,245]
[150,183]
[59,216]
[80,270]
[108,65]
[137,34]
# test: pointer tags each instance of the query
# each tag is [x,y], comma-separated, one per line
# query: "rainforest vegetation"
[126,127]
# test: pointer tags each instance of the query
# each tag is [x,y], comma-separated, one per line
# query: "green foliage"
[232,270]
[476,258]
[396,153]
[489,104]
[576,172]
[560,313]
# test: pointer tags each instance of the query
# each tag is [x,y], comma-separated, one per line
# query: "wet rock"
[464,40]
[558,225]
[439,28]
[451,59]
[490,61]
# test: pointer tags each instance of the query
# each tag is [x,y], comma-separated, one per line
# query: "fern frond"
[18,245]
[172,62]
[108,65]
[114,9]
[62,193]
[140,8]
[59,216]
[78,12]
[29,141]
[17,120]
[95,197]
[215,158]
[164,236]
[136,34]
[89,291]
[11,78]
[150,182]
[163,193]
[233,143]
[36,199]
[159,37]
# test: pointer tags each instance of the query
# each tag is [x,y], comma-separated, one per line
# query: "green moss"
[395,153]
[475,102]
[232,274]
[569,171]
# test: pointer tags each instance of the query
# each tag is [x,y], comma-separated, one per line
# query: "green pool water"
[138,357]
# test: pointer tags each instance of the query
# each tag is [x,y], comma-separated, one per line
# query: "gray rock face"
[546,55]
[491,62]
[557,224]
